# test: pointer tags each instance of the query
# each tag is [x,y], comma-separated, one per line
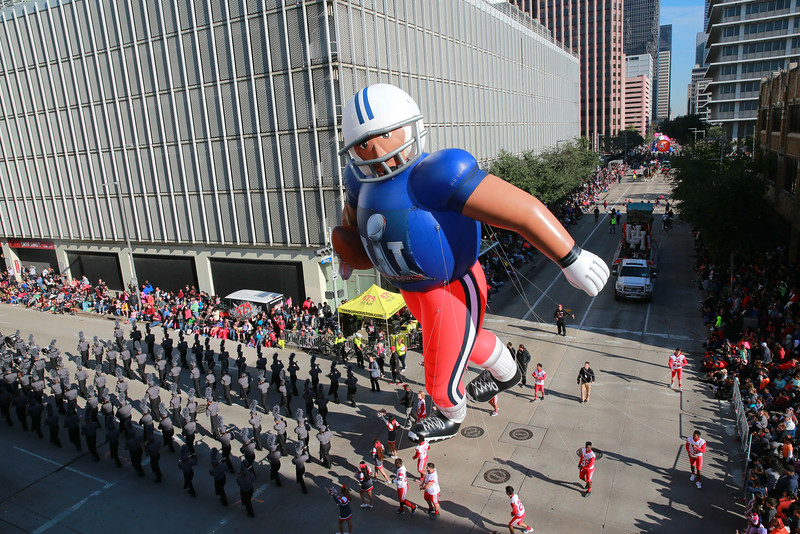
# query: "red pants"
[537,388]
[452,334]
[678,372]
[696,462]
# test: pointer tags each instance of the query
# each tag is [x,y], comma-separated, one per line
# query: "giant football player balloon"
[416,218]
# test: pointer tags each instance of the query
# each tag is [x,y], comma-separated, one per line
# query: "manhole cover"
[520,434]
[497,476]
[472,431]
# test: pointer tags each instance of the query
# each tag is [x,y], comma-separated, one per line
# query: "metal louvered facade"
[209,128]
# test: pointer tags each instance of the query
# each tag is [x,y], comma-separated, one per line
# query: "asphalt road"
[636,422]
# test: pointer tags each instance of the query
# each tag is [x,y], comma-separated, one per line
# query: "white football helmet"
[376,110]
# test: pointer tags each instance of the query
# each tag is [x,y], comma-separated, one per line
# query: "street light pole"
[116,185]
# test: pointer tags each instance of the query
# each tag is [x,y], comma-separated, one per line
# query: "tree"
[628,138]
[723,198]
[681,128]
[550,175]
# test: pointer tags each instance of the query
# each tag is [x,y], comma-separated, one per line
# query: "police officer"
[299,461]
[358,346]
[277,369]
[154,451]
[112,436]
[136,334]
[261,361]
[91,402]
[217,471]
[308,396]
[58,391]
[245,482]
[70,393]
[107,409]
[314,372]
[53,425]
[188,430]
[38,366]
[208,355]
[224,358]
[322,404]
[124,412]
[89,431]
[122,384]
[166,427]
[186,465]
[166,344]
[225,380]
[21,407]
[37,387]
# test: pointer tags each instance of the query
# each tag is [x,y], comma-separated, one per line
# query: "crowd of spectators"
[753,317]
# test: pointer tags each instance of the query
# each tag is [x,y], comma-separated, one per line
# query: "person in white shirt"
[677,361]
[517,512]
[430,484]
[401,481]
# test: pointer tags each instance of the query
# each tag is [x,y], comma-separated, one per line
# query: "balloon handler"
[416,217]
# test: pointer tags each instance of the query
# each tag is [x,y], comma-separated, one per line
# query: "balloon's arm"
[501,204]
[353,253]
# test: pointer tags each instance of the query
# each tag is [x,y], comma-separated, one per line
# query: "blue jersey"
[411,225]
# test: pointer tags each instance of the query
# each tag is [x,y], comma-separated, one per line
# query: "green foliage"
[680,128]
[628,138]
[549,175]
[723,200]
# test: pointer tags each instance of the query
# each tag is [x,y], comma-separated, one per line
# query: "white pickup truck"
[634,280]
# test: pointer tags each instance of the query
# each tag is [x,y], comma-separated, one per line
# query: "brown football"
[348,246]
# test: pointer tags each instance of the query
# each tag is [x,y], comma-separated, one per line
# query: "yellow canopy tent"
[375,302]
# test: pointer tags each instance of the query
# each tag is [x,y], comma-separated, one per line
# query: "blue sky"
[686,17]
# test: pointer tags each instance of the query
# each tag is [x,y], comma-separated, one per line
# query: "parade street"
[638,426]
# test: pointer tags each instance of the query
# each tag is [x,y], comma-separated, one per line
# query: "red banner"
[30,243]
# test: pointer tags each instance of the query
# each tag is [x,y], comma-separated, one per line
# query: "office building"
[778,131]
[593,30]
[641,28]
[747,40]
[697,93]
[661,110]
[638,88]
[206,132]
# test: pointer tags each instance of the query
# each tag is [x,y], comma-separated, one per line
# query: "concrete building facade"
[638,88]
[641,28]
[206,132]
[747,40]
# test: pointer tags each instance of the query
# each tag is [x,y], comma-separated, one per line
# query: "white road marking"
[596,226]
[60,517]
[106,483]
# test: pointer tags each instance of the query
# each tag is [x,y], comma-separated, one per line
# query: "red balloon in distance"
[348,246]
[662,146]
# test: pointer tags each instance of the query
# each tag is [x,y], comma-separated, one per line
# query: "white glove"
[587,272]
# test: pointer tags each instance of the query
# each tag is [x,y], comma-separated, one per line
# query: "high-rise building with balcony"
[663,74]
[593,29]
[638,88]
[747,40]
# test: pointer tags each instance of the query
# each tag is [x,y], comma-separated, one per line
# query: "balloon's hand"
[345,270]
[586,271]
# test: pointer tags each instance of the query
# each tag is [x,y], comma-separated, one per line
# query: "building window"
[775,120]
[726,107]
[790,176]
[729,31]
[794,118]
[733,11]
[748,105]
[727,88]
